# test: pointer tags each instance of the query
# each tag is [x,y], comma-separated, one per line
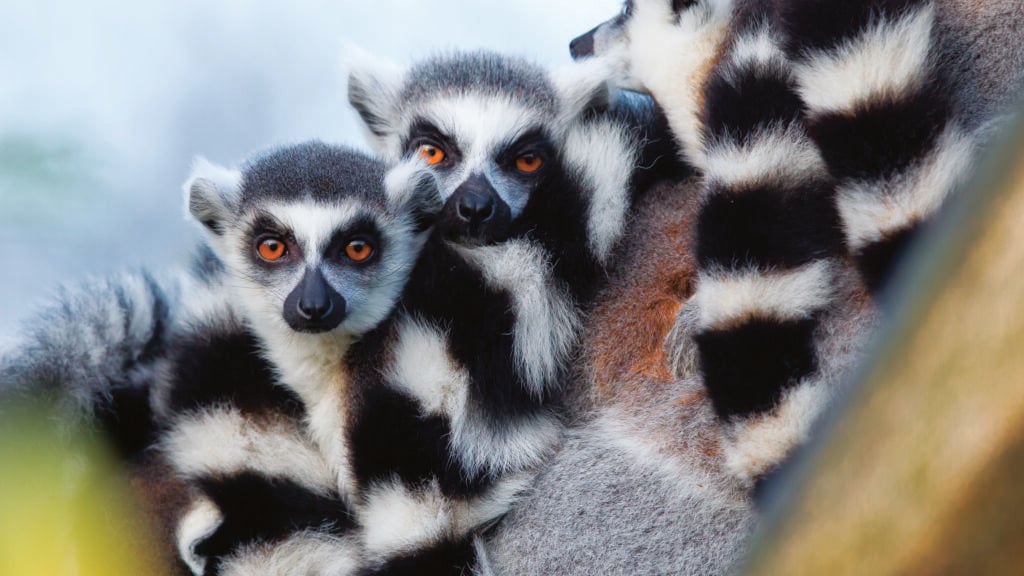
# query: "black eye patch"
[262,227]
[422,132]
[535,142]
[679,5]
[363,228]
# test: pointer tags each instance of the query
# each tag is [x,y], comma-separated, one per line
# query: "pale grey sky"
[104,103]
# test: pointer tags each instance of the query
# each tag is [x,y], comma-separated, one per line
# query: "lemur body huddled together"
[550,327]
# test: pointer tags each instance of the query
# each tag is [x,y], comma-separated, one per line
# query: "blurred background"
[103,105]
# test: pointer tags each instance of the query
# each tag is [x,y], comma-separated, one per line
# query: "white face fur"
[482,136]
[319,238]
[656,48]
[475,140]
[666,49]
[352,255]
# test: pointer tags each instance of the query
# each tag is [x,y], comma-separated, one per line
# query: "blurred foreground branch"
[923,472]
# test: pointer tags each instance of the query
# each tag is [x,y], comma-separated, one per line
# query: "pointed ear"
[412,188]
[212,194]
[374,85]
[585,85]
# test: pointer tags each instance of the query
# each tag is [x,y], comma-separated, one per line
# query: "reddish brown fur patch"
[164,498]
[631,318]
[625,366]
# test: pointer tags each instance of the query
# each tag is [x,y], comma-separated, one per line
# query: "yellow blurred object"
[64,510]
[922,473]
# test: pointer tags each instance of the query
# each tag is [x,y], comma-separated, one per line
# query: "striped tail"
[768,234]
[773,276]
[879,111]
[261,497]
[94,351]
[830,141]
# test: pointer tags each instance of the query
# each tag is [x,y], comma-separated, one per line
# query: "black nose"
[475,208]
[314,309]
[314,306]
[583,46]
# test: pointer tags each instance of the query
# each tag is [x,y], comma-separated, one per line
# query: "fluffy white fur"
[605,170]
[325,423]
[423,368]
[581,85]
[870,210]
[223,441]
[887,60]
[397,519]
[780,155]
[198,524]
[672,60]
[756,445]
[303,554]
[756,49]
[724,298]
[546,320]
[479,445]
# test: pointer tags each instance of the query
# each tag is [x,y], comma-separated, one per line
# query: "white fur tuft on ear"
[211,193]
[373,89]
[583,85]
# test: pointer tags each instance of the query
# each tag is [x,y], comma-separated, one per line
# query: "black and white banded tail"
[879,110]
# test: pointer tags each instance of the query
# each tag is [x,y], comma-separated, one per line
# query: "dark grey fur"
[481,73]
[983,57]
[315,171]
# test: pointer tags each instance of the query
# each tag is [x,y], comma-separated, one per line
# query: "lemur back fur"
[680,52]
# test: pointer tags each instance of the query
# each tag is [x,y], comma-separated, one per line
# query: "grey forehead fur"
[313,171]
[481,72]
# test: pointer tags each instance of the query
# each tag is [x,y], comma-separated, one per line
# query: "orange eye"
[358,250]
[529,163]
[432,154]
[271,249]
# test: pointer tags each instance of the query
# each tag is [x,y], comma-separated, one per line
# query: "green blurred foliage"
[44,176]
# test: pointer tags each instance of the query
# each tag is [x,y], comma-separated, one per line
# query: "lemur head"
[666,48]
[316,241]
[487,124]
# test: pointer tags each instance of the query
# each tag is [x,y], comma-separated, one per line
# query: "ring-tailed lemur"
[577,218]
[249,400]
[317,247]
[814,151]
[734,74]
[538,185]
[453,400]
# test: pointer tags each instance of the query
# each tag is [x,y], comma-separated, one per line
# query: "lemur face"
[668,49]
[490,154]
[659,47]
[318,265]
[486,124]
[313,241]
